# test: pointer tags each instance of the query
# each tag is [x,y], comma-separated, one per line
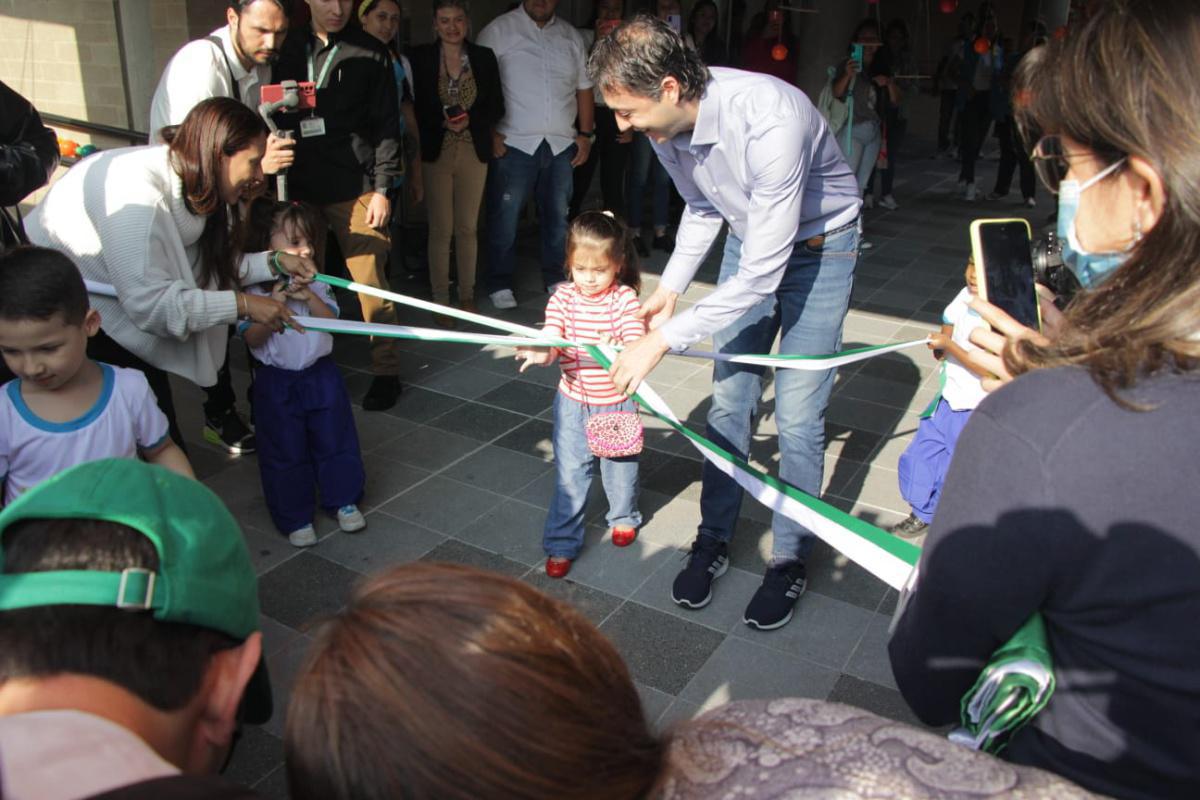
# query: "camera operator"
[1072,490]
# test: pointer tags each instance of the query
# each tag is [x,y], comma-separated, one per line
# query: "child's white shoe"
[304,537]
[350,519]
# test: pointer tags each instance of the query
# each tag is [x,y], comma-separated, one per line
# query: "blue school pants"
[925,462]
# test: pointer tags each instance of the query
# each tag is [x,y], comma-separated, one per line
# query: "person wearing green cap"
[130,649]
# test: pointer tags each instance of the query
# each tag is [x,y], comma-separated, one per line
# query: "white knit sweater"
[121,217]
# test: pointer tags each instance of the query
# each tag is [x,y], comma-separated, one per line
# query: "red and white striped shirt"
[575,316]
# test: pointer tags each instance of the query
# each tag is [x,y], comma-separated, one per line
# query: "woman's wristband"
[276,267]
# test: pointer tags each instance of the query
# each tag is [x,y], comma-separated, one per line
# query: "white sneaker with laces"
[970,194]
[350,519]
[304,537]
[503,299]
[889,202]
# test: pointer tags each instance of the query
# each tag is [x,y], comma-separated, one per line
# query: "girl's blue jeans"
[575,467]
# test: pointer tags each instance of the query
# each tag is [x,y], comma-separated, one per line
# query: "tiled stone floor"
[460,470]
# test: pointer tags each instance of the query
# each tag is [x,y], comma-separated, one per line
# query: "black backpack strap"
[220,45]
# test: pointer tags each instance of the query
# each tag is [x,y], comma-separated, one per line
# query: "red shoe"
[557,567]
[623,537]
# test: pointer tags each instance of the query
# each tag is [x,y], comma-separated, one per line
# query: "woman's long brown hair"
[215,128]
[1127,82]
[447,682]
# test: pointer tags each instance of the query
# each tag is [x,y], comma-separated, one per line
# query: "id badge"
[312,126]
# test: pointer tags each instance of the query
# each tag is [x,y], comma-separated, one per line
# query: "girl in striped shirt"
[598,304]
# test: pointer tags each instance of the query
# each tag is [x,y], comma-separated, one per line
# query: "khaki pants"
[453,191]
[366,252]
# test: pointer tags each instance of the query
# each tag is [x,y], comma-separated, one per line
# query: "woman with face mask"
[1072,491]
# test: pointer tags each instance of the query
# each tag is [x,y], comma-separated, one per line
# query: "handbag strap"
[612,308]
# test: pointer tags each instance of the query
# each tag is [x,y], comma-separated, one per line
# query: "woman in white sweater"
[160,224]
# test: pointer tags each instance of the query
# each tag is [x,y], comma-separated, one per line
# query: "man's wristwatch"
[589,135]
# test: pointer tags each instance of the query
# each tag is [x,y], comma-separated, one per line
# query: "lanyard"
[320,80]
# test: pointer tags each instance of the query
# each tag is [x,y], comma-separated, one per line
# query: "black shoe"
[708,561]
[665,242]
[912,527]
[640,246]
[229,432]
[773,603]
[382,393]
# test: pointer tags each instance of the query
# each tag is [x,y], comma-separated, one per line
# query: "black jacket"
[485,114]
[360,150]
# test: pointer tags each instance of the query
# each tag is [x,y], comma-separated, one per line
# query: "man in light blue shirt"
[751,151]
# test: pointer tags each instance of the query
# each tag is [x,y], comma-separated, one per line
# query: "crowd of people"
[1051,478]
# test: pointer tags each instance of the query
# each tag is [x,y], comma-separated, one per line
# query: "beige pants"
[366,252]
[453,191]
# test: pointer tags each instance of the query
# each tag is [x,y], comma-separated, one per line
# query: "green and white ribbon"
[883,555]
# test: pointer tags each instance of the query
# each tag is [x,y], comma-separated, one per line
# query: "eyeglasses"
[1051,161]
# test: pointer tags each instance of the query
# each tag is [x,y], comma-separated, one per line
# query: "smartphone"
[856,52]
[454,113]
[1004,268]
[676,22]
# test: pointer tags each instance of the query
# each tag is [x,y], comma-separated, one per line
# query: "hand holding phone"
[454,113]
[1004,268]
[856,53]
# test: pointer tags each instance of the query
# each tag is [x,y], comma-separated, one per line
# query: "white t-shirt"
[124,420]
[963,390]
[199,71]
[291,349]
[541,69]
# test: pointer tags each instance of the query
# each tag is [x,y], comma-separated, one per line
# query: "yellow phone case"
[977,255]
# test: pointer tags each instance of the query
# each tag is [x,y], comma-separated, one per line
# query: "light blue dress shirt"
[761,158]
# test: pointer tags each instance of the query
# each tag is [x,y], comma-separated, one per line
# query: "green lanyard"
[320,81]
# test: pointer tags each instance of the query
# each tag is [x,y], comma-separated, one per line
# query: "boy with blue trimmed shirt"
[64,409]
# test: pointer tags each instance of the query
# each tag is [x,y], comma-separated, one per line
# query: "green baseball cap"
[204,578]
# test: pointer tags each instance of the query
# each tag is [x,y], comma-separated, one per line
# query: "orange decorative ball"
[982,45]
[779,52]
[66,148]
[948,6]
[1060,32]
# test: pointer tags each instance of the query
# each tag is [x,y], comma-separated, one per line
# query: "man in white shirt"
[130,641]
[751,151]
[546,88]
[233,61]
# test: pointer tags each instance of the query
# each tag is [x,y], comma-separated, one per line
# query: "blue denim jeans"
[806,311]
[510,180]
[643,166]
[575,467]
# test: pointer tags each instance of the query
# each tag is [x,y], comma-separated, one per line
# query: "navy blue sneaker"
[773,603]
[707,561]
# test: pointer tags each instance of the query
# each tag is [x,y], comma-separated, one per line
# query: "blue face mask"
[1089,268]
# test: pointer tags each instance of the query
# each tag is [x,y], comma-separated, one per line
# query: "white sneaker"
[503,299]
[889,202]
[305,537]
[350,519]
[970,192]
[864,245]
[869,201]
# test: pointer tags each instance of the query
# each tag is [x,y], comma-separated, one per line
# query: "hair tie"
[609,214]
[362,8]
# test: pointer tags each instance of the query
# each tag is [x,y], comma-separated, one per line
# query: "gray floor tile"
[677,477]
[738,671]
[534,438]
[456,552]
[274,786]
[669,520]
[419,404]
[428,448]
[276,635]
[662,651]
[442,505]
[832,574]
[862,414]
[823,630]
[465,382]
[387,478]
[654,702]
[679,712]
[870,658]
[521,397]
[386,540]
[731,592]
[302,590]
[512,528]
[498,469]
[478,421]
[874,698]
[617,570]
[258,754]
[375,429]
[268,549]
[283,667]
[592,603]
